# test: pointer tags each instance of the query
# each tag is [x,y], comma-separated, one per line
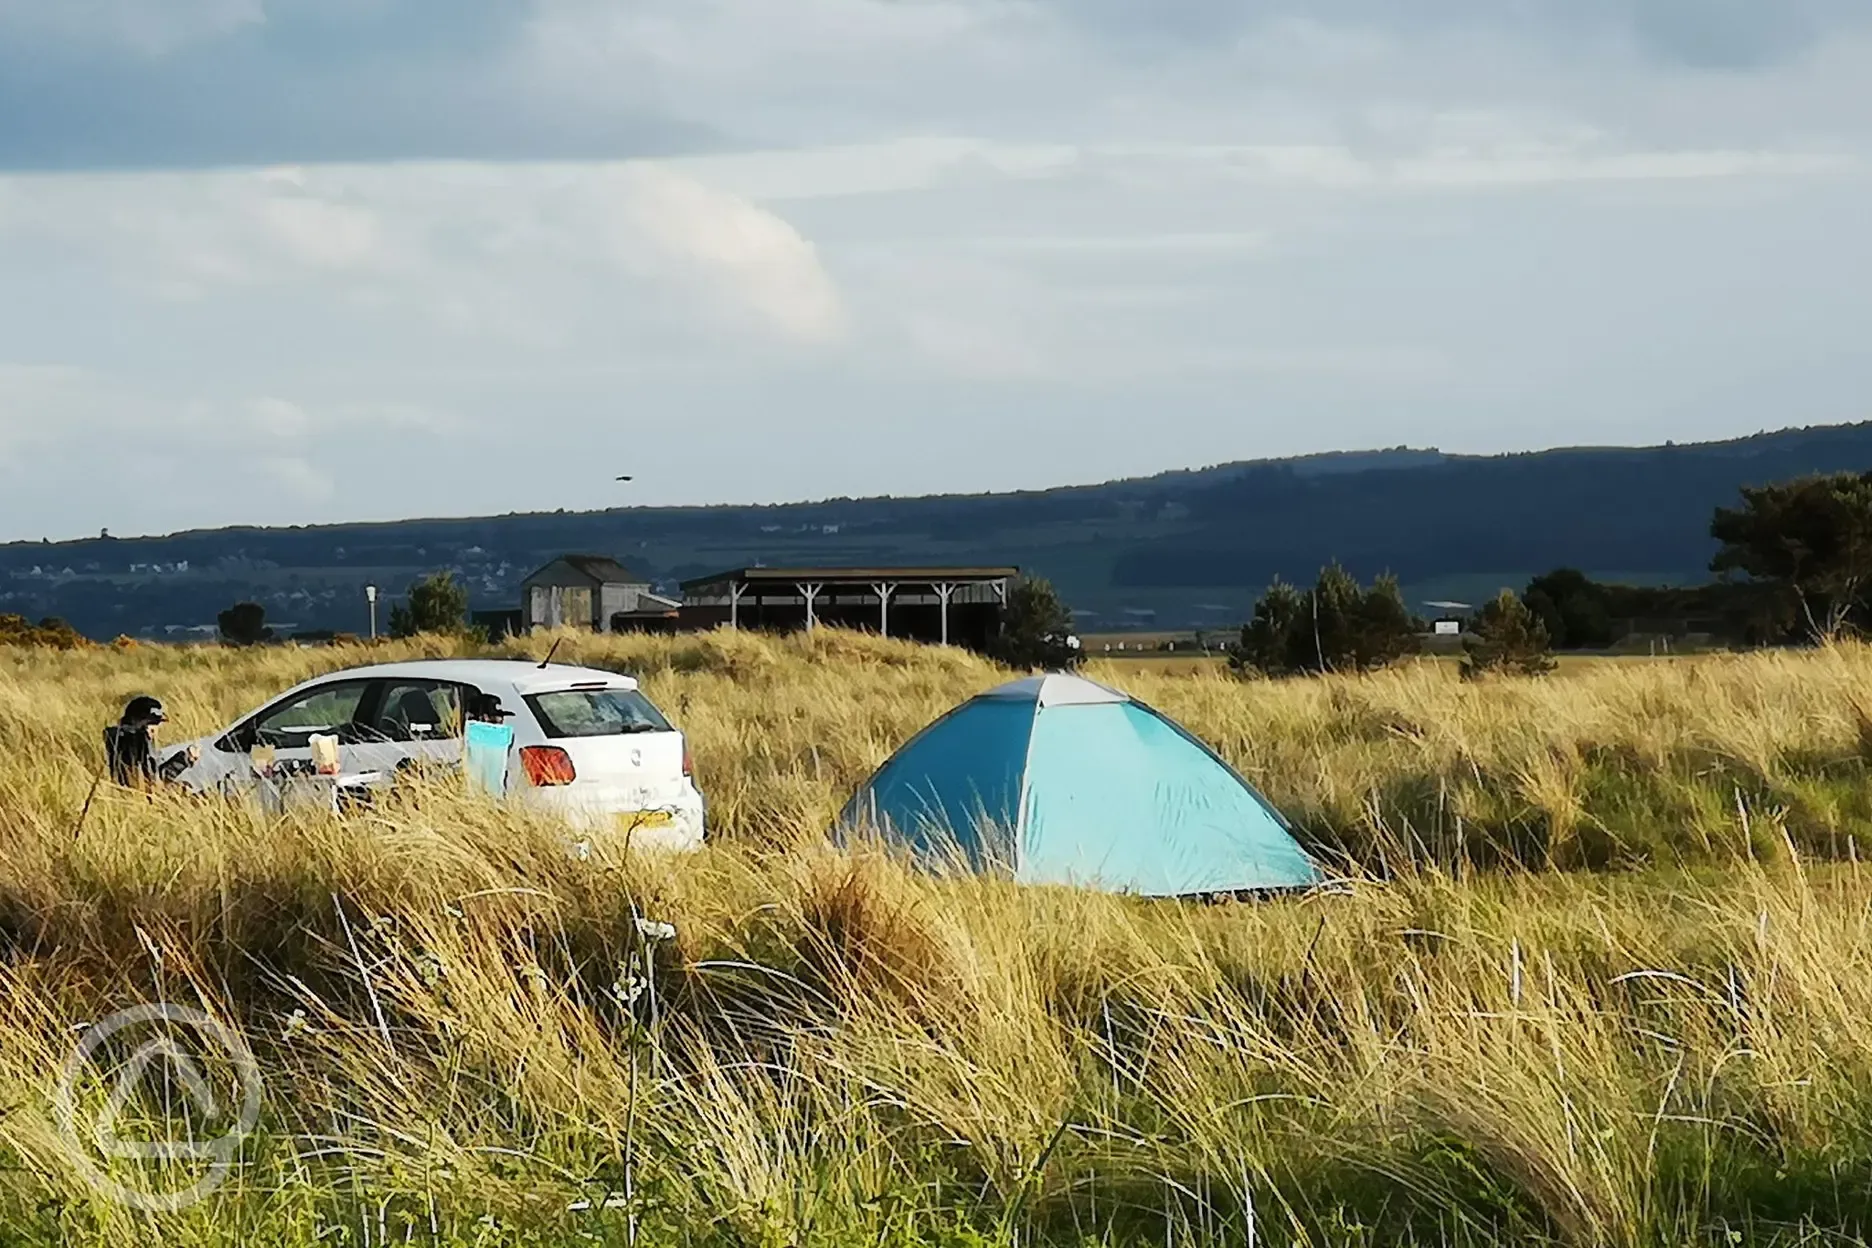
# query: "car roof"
[521,675]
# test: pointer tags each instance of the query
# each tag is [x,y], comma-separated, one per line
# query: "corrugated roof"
[601,568]
[650,606]
[914,575]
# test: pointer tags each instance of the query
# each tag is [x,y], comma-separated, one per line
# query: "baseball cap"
[144,710]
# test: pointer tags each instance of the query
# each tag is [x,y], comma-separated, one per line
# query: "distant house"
[595,592]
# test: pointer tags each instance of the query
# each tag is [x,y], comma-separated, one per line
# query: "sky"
[306,261]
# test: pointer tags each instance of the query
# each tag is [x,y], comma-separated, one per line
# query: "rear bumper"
[675,824]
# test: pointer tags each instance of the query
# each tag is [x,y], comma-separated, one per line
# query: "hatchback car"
[586,743]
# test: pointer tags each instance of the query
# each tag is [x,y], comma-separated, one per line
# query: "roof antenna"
[551,652]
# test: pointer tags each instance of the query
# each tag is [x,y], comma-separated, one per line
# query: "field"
[1597,975]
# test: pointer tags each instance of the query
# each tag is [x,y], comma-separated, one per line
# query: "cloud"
[280,418]
[145,28]
[300,479]
[176,83]
[91,83]
[1478,159]
[320,232]
[755,259]
[87,410]
[445,255]
[484,250]
[145,456]
[34,406]
[1704,34]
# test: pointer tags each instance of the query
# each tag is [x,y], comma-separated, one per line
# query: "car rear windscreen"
[596,713]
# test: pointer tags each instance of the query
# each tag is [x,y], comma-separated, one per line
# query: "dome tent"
[1058,780]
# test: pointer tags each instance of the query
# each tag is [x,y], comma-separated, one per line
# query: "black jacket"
[133,763]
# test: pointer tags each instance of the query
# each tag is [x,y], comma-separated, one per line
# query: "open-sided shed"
[960,605]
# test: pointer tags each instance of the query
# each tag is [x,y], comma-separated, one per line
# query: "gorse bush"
[51,633]
[471,1031]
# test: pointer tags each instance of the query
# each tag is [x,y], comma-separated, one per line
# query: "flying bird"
[625,478]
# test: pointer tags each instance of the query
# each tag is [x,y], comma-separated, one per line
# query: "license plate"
[645,819]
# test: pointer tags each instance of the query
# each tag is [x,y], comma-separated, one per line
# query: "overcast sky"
[291,261]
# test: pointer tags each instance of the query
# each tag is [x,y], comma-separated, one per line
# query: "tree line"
[437,603]
[1638,510]
[1794,563]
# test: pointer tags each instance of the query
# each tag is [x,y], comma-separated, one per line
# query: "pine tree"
[1509,639]
[1267,639]
[1337,626]
[437,604]
[1384,630]
[1036,629]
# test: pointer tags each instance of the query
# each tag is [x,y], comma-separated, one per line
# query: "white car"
[587,743]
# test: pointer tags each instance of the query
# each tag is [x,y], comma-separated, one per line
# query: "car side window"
[290,725]
[417,710]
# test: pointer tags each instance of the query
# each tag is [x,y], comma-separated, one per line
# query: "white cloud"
[1499,155]
[280,418]
[468,245]
[320,232]
[136,453]
[754,258]
[61,419]
[299,478]
[36,402]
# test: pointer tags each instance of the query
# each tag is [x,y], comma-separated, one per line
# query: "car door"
[331,707]
[421,720]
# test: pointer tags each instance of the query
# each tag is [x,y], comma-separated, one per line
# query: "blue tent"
[1059,780]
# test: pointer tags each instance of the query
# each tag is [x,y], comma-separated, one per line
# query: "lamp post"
[370,596]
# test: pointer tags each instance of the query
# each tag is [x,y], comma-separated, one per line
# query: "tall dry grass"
[1707,760]
[470,1034]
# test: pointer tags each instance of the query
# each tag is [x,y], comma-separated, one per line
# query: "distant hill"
[1177,550]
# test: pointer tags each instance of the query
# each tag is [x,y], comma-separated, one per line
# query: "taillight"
[547,766]
[688,762]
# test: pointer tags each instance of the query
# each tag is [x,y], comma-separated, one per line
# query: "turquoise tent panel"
[485,756]
[956,787]
[1119,797]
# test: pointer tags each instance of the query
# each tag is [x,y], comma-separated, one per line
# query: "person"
[130,747]
[485,708]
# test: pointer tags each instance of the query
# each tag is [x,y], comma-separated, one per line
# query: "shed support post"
[944,593]
[810,592]
[884,591]
[736,592]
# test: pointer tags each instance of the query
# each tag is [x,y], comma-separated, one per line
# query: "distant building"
[948,604]
[595,592]
[1451,618]
[499,624]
